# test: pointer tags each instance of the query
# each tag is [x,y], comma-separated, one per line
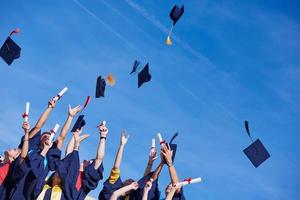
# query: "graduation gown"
[153,193]
[108,189]
[88,180]
[15,183]
[76,184]
[52,192]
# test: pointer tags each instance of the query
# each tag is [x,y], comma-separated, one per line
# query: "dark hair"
[50,180]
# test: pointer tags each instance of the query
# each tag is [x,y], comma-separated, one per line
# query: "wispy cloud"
[156,22]
[88,11]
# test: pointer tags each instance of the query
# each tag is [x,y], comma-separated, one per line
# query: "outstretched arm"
[152,158]
[167,153]
[157,171]
[43,118]
[101,146]
[123,190]
[25,146]
[71,144]
[71,113]
[118,159]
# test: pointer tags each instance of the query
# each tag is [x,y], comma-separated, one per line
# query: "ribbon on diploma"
[188,180]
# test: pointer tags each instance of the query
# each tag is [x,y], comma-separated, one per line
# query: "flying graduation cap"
[135,67]
[256,152]
[144,75]
[175,15]
[10,50]
[101,84]
[79,123]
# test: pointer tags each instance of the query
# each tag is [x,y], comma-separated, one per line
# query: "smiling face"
[44,139]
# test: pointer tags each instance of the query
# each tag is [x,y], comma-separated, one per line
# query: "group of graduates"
[24,171]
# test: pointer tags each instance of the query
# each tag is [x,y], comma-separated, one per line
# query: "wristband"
[102,138]
[170,164]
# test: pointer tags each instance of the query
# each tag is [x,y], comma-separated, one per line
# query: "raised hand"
[26,127]
[167,154]
[152,155]
[103,130]
[51,103]
[73,111]
[124,138]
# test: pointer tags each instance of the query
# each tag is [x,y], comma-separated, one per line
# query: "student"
[178,193]
[73,180]
[14,160]
[33,180]
[90,171]
[53,189]
[114,181]
[36,179]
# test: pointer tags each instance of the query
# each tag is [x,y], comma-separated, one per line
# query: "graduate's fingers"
[168,146]
[83,137]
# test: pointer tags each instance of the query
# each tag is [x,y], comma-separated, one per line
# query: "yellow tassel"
[168,41]
[110,80]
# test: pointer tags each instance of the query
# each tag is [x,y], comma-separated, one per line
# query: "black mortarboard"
[257,153]
[100,87]
[135,66]
[144,75]
[176,13]
[79,123]
[10,51]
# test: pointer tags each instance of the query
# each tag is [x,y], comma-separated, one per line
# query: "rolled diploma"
[60,94]
[104,123]
[53,132]
[159,138]
[26,112]
[195,180]
[153,143]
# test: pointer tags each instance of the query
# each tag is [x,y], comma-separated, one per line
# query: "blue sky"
[230,61]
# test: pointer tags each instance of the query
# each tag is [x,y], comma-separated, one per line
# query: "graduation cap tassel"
[247,129]
[87,101]
[15,31]
[174,136]
[169,41]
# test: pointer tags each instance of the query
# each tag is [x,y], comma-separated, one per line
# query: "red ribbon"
[162,142]
[24,115]
[188,180]
[52,131]
[17,30]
